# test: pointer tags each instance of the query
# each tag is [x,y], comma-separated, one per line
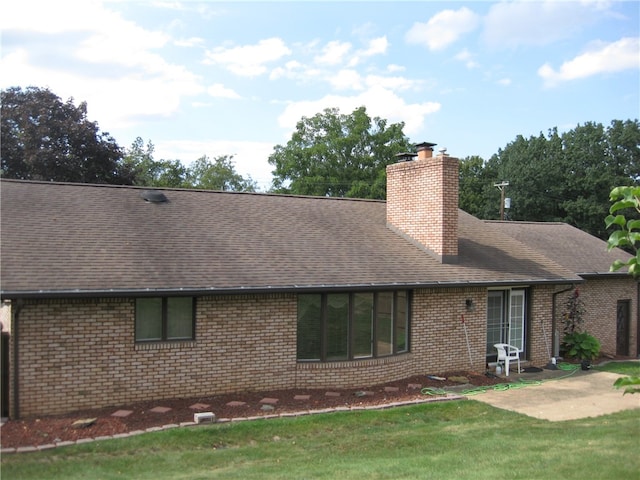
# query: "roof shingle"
[60,238]
[578,251]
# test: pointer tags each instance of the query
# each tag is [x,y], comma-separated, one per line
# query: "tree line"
[564,177]
[45,138]
[556,177]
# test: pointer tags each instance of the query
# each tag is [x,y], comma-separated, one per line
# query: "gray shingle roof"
[61,238]
[578,251]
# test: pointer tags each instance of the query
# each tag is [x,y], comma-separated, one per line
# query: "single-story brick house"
[123,294]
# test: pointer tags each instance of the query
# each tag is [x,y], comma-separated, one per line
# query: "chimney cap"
[425,145]
[405,156]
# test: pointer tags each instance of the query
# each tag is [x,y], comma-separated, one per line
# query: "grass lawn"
[457,440]
[623,368]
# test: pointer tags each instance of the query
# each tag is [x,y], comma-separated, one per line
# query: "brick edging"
[301,413]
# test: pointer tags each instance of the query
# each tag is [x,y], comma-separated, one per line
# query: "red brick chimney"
[422,201]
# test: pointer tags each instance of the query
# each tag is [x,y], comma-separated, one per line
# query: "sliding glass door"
[506,319]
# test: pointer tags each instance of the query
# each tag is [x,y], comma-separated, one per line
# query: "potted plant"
[583,346]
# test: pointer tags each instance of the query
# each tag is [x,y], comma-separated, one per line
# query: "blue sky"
[234,78]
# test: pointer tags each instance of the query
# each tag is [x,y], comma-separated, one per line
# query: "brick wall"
[600,298]
[422,202]
[540,325]
[441,343]
[81,354]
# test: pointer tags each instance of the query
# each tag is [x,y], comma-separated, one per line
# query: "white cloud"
[346,79]
[220,91]
[130,46]
[511,24]
[290,69]
[249,60]
[379,101]
[467,58]
[443,29]
[377,46]
[504,82]
[105,43]
[294,70]
[600,58]
[392,83]
[189,42]
[392,68]
[51,17]
[333,53]
[169,5]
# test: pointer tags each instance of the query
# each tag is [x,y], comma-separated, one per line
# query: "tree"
[44,138]
[473,184]
[204,173]
[531,167]
[625,199]
[151,173]
[627,235]
[331,154]
[564,177]
[218,174]
[591,170]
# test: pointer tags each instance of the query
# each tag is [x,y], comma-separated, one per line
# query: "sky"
[234,78]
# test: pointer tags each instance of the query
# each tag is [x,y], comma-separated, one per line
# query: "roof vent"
[405,156]
[154,196]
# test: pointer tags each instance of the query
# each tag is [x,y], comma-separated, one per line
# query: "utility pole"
[501,187]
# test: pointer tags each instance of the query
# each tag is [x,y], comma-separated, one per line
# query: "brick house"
[123,294]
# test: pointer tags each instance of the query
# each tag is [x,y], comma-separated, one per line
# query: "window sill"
[169,345]
[364,362]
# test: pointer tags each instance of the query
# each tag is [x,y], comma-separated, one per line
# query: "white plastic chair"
[507,354]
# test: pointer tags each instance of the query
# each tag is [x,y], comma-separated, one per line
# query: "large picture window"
[165,318]
[348,326]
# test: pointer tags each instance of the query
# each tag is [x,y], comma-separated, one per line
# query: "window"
[165,318]
[348,326]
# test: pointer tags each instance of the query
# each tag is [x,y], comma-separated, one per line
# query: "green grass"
[448,440]
[623,368]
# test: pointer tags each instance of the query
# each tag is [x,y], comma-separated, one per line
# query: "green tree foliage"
[332,154]
[218,174]
[626,203]
[563,177]
[205,173]
[473,186]
[44,138]
[151,173]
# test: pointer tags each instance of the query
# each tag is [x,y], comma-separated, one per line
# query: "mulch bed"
[33,432]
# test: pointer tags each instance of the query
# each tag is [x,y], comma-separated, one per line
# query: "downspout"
[553,316]
[16,378]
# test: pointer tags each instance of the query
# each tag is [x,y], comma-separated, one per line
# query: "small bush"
[581,345]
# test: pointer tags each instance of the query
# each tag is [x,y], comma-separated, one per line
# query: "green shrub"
[581,345]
